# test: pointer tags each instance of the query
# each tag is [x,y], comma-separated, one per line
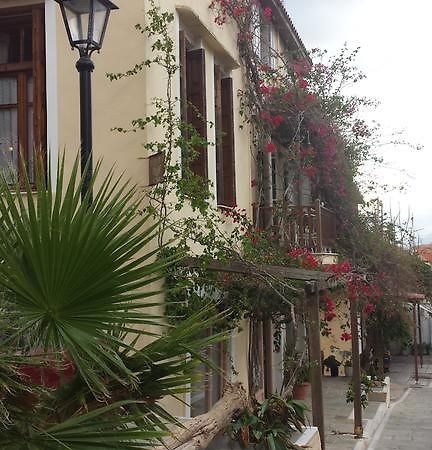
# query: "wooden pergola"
[315,282]
[416,299]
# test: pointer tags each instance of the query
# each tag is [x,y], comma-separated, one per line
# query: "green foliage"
[75,281]
[296,368]
[270,424]
[69,265]
[240,297]
[366,386]
[179,187]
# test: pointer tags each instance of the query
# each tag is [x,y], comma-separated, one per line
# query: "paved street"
[408,424]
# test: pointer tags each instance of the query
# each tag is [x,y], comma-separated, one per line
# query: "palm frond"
[76,269]
[80,279]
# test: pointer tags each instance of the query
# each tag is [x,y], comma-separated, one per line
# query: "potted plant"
[269,424]
[348,367]
[332,364]
[301,386]
[297,374]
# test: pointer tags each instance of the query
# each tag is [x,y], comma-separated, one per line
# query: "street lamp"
[86,22]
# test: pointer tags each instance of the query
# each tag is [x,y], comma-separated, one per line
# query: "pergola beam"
[315,282]
[243,268]
[314,332]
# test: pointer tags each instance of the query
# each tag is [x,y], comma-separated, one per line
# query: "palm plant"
[77,279]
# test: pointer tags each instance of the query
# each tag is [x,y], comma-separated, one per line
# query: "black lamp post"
[86,22]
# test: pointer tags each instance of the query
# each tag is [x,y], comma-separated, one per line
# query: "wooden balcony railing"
[313,226]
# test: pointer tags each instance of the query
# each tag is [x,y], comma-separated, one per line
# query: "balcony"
[313,226]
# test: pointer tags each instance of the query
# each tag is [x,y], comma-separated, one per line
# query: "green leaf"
[76,269]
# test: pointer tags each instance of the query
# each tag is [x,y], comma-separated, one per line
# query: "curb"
[371,427]
[377,424]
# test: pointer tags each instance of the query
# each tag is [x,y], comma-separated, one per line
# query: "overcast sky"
[395,39]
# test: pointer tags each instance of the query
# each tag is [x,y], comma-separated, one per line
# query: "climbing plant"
[298,111]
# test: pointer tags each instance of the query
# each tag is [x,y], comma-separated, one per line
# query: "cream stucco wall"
[115,104]
[333,344]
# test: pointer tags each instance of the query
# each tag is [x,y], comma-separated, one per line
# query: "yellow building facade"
[40,106]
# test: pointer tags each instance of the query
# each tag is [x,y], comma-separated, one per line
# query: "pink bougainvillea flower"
[346,336]
[339,269]
[277,120]
[323,130]
[265,115]
[264,89]
[329,316]
[310,98]
[369,308]
[302,83]
[309,261]
[310,171]
[330,305]
[289,96]
[268,13]
[270,147]
[301,68]
[295,253]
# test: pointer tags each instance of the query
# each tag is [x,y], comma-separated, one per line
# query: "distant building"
[425,253]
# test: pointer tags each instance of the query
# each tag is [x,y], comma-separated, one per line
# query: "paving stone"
[409,424]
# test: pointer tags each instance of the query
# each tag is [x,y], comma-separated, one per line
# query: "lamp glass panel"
[100,17]
[77,16]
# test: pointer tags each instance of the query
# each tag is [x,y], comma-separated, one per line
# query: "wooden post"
[318,225]
[420,335]
[356,380]
[268,357]
[416,374]
[314,334]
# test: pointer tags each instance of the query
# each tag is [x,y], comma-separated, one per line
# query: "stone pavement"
[411,409]
[338,424]
[408,424]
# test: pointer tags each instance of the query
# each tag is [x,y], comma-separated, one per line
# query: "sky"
[395,38]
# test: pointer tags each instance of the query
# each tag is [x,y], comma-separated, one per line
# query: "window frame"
[193,101]
[32,16]
[225,140]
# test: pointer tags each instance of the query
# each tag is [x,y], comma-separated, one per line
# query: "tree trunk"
[200,431]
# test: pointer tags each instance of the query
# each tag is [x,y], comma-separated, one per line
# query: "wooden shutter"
[219,136]
[156,168]
[228,158]
[197,108]
[39,80]
[183,75]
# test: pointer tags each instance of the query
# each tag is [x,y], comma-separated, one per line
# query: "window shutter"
[228,158]
[39,77]
[197,108]
[219,136]
[183,85]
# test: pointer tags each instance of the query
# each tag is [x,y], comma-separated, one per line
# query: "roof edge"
[289,32]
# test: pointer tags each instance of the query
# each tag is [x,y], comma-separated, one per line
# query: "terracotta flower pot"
[244,436]
[300,391]
[49,376]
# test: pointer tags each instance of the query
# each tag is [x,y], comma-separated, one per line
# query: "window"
[209,387]
[22,93]
[194,101]
[225,157]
